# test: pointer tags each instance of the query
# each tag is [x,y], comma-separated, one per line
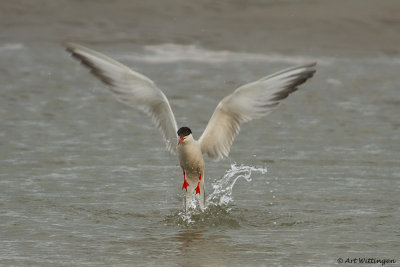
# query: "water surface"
[85,180]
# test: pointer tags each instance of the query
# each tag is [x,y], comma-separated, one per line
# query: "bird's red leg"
[198,185]
[185,183]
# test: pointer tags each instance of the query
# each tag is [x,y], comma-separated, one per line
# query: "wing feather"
[131,88]
[248,102]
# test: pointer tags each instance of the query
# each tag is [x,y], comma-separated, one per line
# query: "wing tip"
[71,47]
[311,64]
[311,69]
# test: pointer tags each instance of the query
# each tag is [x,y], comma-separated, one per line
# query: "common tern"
[250,101]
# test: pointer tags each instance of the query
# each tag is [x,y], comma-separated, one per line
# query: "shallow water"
[86,180]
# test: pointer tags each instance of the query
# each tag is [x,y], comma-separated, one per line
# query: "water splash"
[219,202]
[222,194]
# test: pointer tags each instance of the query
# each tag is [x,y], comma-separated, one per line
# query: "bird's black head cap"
[184,131]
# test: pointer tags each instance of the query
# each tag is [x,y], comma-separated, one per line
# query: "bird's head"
[184,133]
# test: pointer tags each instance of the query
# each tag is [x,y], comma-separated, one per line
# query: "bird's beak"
[181,139]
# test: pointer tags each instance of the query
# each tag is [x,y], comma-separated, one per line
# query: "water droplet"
[222,194]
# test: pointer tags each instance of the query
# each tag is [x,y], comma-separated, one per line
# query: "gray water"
[85,180]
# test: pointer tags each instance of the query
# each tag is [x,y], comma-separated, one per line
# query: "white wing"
[251,101]
[131,88]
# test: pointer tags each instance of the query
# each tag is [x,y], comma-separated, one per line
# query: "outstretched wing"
[131,88]
[248,102]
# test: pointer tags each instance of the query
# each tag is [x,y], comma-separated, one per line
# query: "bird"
[250,101]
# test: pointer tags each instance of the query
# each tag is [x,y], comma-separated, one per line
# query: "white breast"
[190,157]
